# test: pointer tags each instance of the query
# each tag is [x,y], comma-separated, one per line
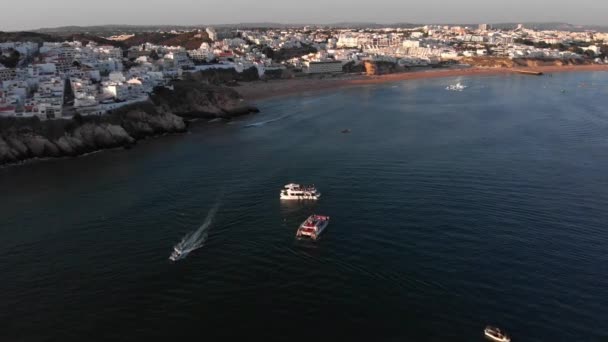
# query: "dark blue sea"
[449,211]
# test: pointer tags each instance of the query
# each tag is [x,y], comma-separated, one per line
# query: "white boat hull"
[300,197]
[495,338]
[313,235]
[297,192]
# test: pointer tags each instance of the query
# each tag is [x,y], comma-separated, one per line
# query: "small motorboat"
[456,87]
[495,334]
[346,130]
[176,254]
[313,226]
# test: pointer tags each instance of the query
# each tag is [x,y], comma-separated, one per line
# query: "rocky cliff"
[504,62]
[26,138]
[22,139]
[381,67]
[194,99]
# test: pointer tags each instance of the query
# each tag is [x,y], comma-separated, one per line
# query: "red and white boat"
[313,226]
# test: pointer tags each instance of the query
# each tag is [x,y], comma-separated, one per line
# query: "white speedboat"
[495,334]
[300,192]
[313,226]
[176,254]
[456,87]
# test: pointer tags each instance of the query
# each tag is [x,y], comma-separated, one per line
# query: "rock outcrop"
[26,138]
[22,139]
[194,99]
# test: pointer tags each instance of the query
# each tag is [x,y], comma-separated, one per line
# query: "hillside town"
[51,80]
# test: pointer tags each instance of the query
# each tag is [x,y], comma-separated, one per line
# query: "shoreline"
[261,90]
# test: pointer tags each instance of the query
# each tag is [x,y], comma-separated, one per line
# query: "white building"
[117,76]
[410,43]
[118,91]
[7,74]
[212,33]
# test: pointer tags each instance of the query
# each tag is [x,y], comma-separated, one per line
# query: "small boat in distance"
[300,192]
[456,87]
[346,130]
[313,226]
[495,334]
[176,254]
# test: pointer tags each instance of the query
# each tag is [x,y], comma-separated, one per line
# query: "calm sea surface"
[449,211]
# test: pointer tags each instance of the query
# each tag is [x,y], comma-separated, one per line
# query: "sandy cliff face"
[380,68]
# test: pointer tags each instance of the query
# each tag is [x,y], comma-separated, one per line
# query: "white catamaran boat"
[299,192]
[495,334]
[313,226]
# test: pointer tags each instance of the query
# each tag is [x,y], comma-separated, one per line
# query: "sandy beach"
[263,90]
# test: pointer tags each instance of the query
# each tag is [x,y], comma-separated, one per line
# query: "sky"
[32,14]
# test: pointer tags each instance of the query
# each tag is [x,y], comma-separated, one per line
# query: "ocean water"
[449,211]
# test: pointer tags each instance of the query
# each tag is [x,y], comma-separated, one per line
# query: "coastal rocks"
[70,146]
[139,123]
[22,139]
[193,99]
[7,153]
[219,76]
[94,136]
[39,146]
[26,138]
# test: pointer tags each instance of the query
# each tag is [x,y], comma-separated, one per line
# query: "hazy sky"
[30,14]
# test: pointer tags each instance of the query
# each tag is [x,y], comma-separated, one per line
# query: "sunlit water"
[449,211]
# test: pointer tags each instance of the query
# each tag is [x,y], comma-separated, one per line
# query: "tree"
[268,52]
[10,60]
[604,51]
[577,49]
[154,55]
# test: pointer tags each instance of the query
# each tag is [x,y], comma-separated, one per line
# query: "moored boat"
[495,334]
[313,226]
[299,192]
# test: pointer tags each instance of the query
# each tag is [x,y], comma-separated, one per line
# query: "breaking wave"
[262,123]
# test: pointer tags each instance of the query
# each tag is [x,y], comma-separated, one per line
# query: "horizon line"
[336,24]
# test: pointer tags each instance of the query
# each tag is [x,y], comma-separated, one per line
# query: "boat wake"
[262,123]
[195,239]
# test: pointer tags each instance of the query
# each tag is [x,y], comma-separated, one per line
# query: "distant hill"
[43,37]
[86,38]
[110,30]
[26,37]
[553,26]
[189,40]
